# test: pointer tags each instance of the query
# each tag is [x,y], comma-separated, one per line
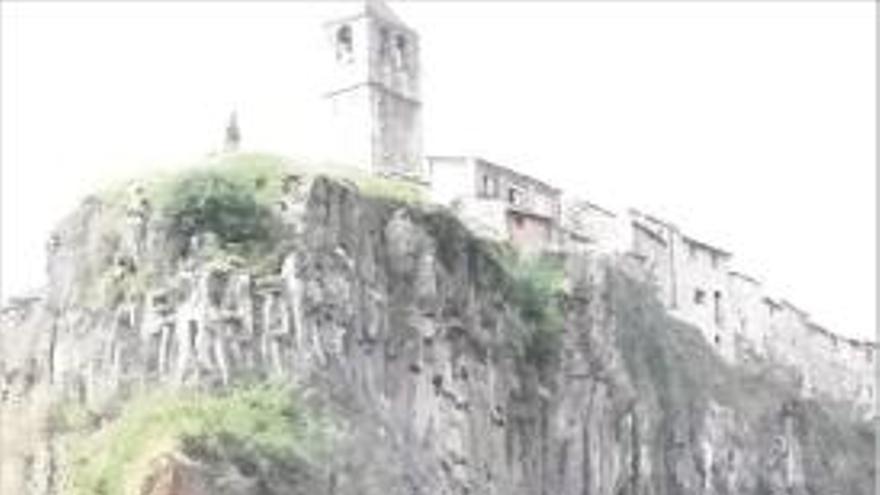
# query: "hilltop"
[249,325]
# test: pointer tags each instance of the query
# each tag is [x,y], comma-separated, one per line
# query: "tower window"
[344,44]
[384,44]
[400,52]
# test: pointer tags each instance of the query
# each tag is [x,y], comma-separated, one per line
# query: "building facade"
[588,226]
[374,94]
[497,202]
[692,276]
[376,105]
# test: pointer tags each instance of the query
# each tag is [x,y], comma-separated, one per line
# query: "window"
[490,186]
[344,45]
[384,44]
[518,220]
[869,356]
[400,52]
[718,313]
[699,296]
[514,196]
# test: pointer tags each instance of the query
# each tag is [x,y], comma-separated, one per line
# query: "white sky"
[749,124]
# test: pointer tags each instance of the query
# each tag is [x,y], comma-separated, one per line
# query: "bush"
[206,202]
[536,284]
[260,421]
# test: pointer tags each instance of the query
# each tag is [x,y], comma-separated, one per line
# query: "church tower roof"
[378,8]
[375,9]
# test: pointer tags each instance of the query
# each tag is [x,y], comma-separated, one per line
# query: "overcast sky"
[748,124]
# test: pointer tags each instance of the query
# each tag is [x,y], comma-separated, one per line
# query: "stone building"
[374,91]
[749,313]
[497,202]
[741,321]
[702,289]
[376,104]
[692,276]
[588,226]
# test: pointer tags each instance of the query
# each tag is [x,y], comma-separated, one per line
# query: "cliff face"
[414,344]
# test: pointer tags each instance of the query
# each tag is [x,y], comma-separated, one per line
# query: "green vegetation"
[536,284]
[206,201]
[257,174]
[232,199]
[262,174]
[227,202]
[259,421]
[380,187]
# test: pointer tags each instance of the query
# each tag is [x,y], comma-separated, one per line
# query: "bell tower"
[374,95]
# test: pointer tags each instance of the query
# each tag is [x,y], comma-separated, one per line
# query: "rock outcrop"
[402,326]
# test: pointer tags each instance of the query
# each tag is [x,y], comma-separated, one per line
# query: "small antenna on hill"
[233,134]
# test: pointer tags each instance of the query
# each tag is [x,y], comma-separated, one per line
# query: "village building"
[588,226]
[749,314]
[702,288]
[692,276]
[375,101]
[496,201]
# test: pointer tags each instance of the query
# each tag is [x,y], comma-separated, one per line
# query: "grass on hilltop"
[228,200]
[256,422]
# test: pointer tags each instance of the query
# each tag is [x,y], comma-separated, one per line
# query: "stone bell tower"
[374,94]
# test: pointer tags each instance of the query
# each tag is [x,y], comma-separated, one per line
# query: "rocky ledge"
[342,342]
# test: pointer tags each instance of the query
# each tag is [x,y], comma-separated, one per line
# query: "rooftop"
[739,274]
[507,170]
[349,11]
[706,246]
[580,202]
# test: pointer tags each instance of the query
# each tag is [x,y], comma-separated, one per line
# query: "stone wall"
[529,232]
[701,287]
[585,225]
[694,280]
[830,365]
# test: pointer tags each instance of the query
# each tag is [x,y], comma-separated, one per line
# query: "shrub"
[535,287]
[260,420]
[206,202]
